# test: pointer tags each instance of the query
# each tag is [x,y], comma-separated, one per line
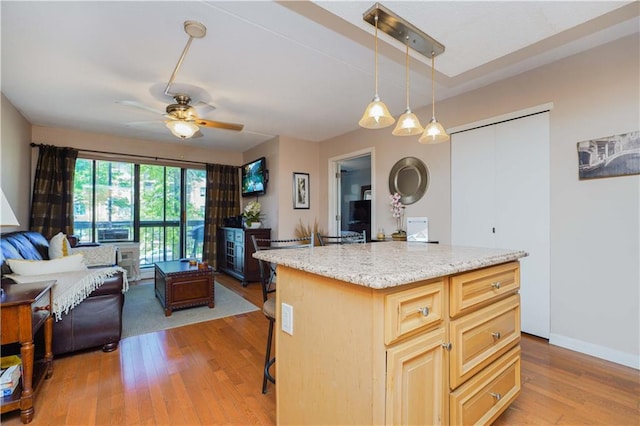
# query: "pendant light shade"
[376,115]
[434,132]
[408,123]
[182,129]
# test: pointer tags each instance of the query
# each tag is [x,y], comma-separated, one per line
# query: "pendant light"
[376,115]
[434,132]
[408,123]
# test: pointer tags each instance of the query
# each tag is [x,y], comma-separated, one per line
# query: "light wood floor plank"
[211,373]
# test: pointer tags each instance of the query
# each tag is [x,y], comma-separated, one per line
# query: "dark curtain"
[52,201]
[223,200]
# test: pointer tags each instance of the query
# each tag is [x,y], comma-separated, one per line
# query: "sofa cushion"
[59,246]
[43,267]
[39,242]
[8,252]
[25,247]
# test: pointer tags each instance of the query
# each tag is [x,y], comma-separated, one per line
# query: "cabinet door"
[416,387]
[239,258]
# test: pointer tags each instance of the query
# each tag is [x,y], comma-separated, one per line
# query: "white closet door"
[472,187]
[500,181]
[522,211]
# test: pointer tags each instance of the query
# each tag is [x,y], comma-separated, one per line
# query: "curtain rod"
[33,145]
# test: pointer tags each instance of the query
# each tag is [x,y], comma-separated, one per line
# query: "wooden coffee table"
[180,285]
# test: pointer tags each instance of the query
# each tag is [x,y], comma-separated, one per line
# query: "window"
[121,201]
[103,200]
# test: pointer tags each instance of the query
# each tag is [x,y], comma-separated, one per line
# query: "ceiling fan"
[182,118]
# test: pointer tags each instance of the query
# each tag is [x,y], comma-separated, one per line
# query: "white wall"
[595,274]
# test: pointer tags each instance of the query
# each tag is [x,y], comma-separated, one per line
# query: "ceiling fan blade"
[219,124]
[136,104]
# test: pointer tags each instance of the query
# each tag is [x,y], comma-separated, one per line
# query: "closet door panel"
[473,187]
[522,211]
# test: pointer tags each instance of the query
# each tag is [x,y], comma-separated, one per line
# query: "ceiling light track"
[403,31]
[408,124]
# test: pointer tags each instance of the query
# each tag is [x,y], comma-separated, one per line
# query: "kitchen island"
[396,333]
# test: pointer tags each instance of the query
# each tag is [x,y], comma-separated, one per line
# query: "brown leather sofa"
[95,322]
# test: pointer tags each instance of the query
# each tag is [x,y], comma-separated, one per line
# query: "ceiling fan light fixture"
[182,129]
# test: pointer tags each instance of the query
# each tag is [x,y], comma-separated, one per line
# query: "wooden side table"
[24,309]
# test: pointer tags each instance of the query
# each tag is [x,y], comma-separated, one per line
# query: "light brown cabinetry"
[440,351]
[484,331]
[416,390]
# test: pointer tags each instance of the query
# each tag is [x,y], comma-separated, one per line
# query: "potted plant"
[251,215]
[397,211]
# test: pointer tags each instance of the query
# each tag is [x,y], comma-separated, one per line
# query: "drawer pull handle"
[496,285]
[496,395]
[496,335]
[42,308]
[424,311]
[447,346]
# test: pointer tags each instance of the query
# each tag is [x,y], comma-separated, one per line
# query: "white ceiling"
[299,69]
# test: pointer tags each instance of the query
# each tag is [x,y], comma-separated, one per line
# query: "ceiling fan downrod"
[194,30]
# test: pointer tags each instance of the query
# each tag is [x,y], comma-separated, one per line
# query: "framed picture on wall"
[617,155]
[300,190]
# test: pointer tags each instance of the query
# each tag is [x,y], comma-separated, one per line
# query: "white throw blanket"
[73,287]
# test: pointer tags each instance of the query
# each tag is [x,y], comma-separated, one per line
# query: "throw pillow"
[59,246]
[42,267]
[104,255]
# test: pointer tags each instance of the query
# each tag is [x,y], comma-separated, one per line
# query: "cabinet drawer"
[239,237]
[486,396]
[229,235]
[481,337]
[409,311]
[40,310]
[478,288]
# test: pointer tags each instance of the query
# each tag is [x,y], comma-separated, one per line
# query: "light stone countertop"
[388,264]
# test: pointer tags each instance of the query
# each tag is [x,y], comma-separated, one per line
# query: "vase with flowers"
[397,211]
[251,215]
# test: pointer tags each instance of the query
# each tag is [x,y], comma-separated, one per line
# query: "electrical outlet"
[287,318]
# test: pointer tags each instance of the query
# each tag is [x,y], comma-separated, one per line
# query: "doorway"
[351,194]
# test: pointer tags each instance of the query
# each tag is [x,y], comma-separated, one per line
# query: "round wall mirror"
[409,177]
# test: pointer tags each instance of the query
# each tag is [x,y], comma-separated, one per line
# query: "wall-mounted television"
[254,177]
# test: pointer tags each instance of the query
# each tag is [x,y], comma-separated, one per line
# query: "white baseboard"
[619,357]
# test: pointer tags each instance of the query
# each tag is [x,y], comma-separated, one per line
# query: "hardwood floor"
[211,373]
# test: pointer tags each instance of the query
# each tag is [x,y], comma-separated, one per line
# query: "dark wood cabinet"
[25,309]
[235,251]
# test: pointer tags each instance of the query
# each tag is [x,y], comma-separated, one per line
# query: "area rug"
[142,312]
